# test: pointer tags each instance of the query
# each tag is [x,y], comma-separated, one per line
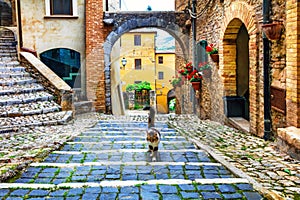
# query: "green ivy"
[138,86]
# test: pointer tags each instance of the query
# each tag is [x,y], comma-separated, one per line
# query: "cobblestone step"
[180,172]
[23,102]
[17,89]
[13,74]
[11,66]
[16,81]
[56,118]
[25,98]
[19,108]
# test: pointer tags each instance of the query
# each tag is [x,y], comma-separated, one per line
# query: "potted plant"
[273,30]
[196,81]
[176,81]
[205,69]
[213,52]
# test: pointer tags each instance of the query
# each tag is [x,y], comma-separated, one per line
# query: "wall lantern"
[273,30]
[124,62]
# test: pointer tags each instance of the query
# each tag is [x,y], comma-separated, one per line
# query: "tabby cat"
[153,135]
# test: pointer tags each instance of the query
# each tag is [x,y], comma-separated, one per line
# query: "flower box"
[196,85]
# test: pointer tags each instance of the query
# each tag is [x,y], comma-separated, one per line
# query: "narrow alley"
[110,161]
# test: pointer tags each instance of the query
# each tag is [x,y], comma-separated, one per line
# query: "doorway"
[242,68]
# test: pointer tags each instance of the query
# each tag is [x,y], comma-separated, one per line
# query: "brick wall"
[95,36]
[219,24]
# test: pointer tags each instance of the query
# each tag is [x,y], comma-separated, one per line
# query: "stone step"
[83,107]
[16,81]
[4,39]
[9,49]
[6,59]
[10,64]
[56,118]
[25,98]
[8,43]
[8,54]
[17,89]
[12,74]
[33,108]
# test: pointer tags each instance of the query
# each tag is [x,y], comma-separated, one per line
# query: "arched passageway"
[168,24]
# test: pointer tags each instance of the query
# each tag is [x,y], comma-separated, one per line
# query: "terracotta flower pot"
[215,57]
[196,85]
[272,31]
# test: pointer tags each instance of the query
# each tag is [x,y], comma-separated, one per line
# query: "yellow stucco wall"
[168,69]
[145,52]
[150,66]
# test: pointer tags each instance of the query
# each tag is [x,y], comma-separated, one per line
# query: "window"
[138,64]
[160,60]
[160,75]
[61,7]
[137,40]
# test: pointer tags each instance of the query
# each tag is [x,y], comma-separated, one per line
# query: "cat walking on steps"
[153,135]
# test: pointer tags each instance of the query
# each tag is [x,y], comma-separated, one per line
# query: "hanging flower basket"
[214,57]
[196,85]
[273,31]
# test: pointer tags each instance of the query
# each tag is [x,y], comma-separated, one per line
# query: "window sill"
[61,16]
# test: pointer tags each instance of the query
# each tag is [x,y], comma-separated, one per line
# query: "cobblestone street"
[105,157]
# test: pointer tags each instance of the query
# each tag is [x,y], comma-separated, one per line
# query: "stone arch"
[6,13]
[237,14]
[153,22]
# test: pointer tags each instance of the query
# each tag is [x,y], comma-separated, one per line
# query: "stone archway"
[170,27]
[238,14]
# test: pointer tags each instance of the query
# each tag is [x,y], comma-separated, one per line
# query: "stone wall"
[219,23]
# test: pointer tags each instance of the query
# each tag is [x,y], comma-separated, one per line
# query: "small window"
[160,60]
[160,75]
[137,40]
[61,8]
[138,64]
[137,82]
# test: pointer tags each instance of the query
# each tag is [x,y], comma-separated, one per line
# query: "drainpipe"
[19,23]
[194,26]
[266,66]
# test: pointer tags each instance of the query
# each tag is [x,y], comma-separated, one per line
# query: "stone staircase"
[23,101]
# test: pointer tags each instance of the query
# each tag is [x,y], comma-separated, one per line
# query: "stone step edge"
[66,118]
[131,136]
[106,163]
[124,151]
[125,183]
[128,142]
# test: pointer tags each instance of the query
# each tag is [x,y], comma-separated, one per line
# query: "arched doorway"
[242,69]
[5,14]
[65,63]
[236,78]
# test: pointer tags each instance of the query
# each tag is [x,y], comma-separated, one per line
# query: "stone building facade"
[229,25]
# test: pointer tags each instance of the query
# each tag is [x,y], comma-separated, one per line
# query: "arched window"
[65,63]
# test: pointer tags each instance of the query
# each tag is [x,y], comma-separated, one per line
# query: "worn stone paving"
[259,159]
[110,161]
